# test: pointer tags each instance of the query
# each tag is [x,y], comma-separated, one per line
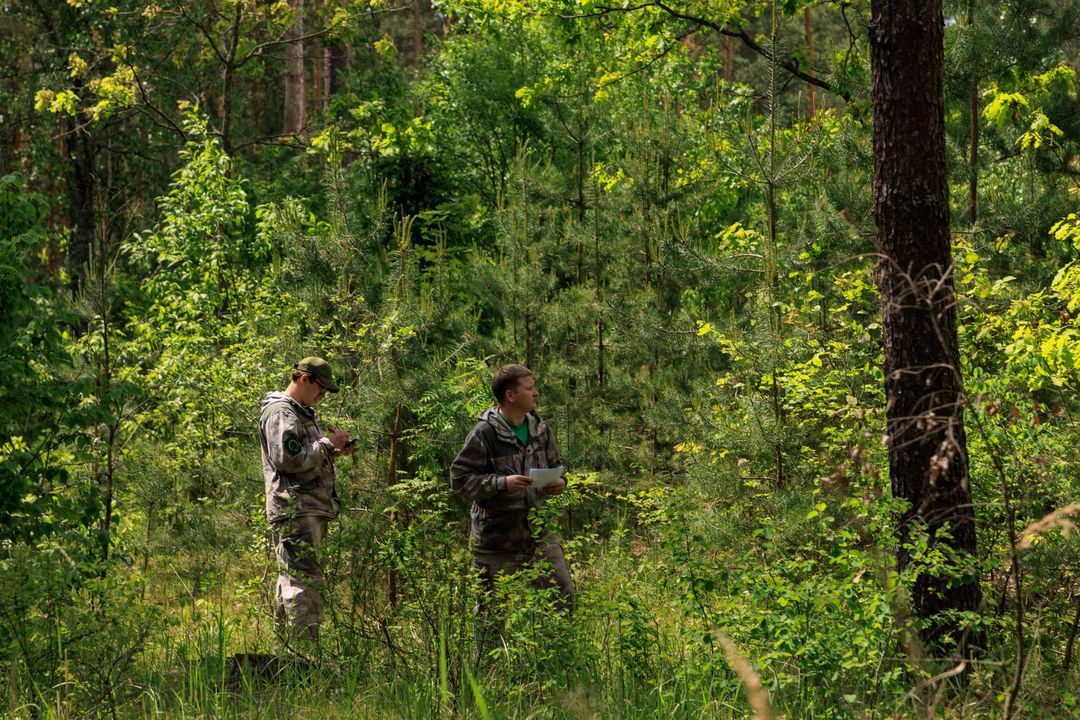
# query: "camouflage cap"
[319,368]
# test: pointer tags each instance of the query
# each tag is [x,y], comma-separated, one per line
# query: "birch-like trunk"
[295,88]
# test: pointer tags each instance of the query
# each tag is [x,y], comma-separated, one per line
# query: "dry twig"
[1060,518]
[755,691]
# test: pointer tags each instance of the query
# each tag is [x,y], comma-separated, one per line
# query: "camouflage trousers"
[298,603]
[556,574]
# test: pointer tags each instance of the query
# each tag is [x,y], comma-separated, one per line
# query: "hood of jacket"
[491,417]
[277,396]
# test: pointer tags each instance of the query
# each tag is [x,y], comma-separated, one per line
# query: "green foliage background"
[632,201]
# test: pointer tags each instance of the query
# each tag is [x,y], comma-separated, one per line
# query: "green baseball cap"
[319,368]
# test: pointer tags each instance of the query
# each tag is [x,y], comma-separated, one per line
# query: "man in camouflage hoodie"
[298,468]
[492,470]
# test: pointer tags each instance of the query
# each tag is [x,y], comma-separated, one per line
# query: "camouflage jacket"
[500,519]
[298,462]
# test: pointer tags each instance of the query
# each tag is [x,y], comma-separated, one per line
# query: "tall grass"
[681,617]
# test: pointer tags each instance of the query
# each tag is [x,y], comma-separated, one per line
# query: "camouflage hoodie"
[500,520]
[298,462]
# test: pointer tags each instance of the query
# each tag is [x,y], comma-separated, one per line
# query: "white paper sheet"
[542,477]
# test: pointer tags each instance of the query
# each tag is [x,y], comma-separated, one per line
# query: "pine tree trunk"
[228,77]
[528,339]
[327,74]
[776,327]
[729,58]
[973,156]
[18,68]
[295,90]
[973,151]
[923,388]
[340,63]
[391,479]
[257,118]
[318,97]
[1071,640]
[417,34]
[601,371]
[579,205]
[809,26]
[58,214]
[82,191]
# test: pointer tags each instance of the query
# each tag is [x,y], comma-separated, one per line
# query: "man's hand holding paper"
[543,477]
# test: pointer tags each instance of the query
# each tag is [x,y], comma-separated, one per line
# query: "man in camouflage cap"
[298,468]
[492,470]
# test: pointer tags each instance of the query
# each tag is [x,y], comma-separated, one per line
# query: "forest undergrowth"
[809,597]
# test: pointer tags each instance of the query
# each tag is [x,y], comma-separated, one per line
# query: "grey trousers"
[298,603]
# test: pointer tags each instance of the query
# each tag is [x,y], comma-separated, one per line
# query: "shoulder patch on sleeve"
[292,445]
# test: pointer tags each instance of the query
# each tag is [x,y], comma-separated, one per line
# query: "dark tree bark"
[79,150]
[341,58]
[923,388]
[1069,643]
[82,192]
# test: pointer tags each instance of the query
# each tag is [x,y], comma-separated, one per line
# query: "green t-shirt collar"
[521,432]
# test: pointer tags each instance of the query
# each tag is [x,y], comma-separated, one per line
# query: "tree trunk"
[923,388]
[327,74]
[973,150]
[295,90]
[318,76]
[320,65]
[809,26]
[340,63]
[82,191]
[391,479]
[19,67]
[729,58]
[579,205]
[1070,642]
[776,324]
[528,338]
[973,156]
[228,77]
[601,371]
[417,34]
